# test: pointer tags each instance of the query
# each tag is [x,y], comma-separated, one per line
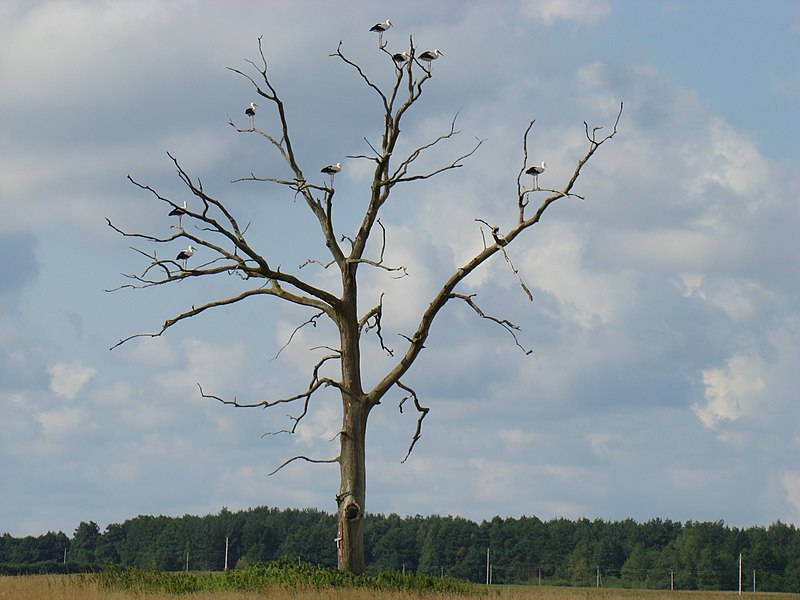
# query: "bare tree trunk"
[352,491]
[352,457]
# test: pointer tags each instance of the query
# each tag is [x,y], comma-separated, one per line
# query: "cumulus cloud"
[215,366]
[67,379]
[732,391]
[62,422]
[662,303]
[791,483]
[576,11]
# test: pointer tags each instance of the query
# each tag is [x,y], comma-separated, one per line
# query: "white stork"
[400,59]
[535,171]
[184,255]
[429,56]
[178,212]
[380,28]
[332,170]
[250,111]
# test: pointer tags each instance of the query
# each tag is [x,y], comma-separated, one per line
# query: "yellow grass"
[58,587]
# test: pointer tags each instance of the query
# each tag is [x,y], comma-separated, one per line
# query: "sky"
[665,324]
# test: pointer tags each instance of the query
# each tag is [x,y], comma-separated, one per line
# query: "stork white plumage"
[428,56]
[380,28]
[250,111]
[535,171]
[332,170]
[184,255]
[179,212]
[400,59]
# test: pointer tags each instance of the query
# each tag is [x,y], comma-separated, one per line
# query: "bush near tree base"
[284,573]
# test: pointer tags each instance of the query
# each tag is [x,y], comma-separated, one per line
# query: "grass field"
[60,587]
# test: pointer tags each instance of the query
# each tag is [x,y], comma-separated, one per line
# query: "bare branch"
[422,410]
[312,321]
[400,173]
[313,261]
[307,459]
[522,201]
[446,292]
[504,323]
[501,241]
[284,146]
[379,263]
[366,79]
[193,312]
[372,320]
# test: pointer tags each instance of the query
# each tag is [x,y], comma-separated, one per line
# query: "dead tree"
[208,224]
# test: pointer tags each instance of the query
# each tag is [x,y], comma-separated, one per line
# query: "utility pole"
[226,552]
[740,573]
[672,580]
[488,582]
[598,575]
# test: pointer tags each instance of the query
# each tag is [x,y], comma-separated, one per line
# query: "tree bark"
[353,487]
[355,411]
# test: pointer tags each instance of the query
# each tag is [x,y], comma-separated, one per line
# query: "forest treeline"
[655,554]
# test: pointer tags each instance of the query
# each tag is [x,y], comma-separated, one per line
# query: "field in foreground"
[59,587]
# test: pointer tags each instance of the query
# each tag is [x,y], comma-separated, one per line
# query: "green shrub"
[284,573]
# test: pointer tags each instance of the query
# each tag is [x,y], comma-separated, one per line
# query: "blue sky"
[666,317]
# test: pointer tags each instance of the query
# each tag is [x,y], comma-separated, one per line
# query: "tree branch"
[422,410]
[504,323]
[312,321]
[375,314]
[305,458]
[446,292]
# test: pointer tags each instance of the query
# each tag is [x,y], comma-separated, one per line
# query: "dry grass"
[58,587]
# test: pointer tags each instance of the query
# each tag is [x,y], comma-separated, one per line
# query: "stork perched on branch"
[331,170]
[400,59]
[250,111]
[535,171]
[428,56]
[179,212]
[380,28]
[184,255]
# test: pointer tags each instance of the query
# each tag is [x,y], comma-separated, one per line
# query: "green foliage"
[284,573]
[47,567]
[653,554]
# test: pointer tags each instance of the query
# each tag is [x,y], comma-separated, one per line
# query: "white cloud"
[67,379]
[63,422]
[722,157]
[665,268]
[150,352]
[733,391]
[493,480]
[603,444]
[791,483]
[516,439]
[216,367]
[578,11]
[554,262]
